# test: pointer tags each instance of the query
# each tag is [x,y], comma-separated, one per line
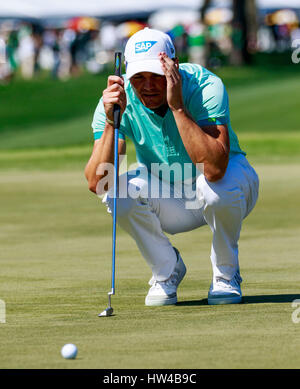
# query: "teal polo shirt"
[156,138]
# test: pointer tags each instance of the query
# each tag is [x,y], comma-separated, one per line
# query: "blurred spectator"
[26,52]
[56,54]
[37,36]
[4,73]
[197,43]
[51,40]
[2,51]
[11,50]
[67,36]
[108,37]
[93,65]
[216,39]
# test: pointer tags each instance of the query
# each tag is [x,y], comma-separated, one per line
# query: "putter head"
[107,312]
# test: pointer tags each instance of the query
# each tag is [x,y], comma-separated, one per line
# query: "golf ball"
[69,351]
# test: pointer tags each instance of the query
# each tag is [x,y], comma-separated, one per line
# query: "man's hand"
[174,87]
[114,94]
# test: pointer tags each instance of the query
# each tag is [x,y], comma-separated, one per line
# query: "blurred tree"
[244,29]
[203,8]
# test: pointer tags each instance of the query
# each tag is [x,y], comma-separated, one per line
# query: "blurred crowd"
[67,48]
[63,50]
[279,30]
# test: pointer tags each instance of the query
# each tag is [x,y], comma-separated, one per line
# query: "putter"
[109,310]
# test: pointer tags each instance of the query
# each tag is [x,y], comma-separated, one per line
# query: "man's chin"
[152,104]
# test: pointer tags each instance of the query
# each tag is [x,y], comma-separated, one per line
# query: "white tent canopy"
[69,8]
[278,3]
[102,8]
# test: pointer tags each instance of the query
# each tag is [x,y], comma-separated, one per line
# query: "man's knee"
[125,206]
[131,189]
[217,196]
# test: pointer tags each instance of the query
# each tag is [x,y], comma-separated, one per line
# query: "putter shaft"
[117,119]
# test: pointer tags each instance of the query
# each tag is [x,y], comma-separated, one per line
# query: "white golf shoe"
[222,291]
[165,292]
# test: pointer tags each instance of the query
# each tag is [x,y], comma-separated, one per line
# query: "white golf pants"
[222,205]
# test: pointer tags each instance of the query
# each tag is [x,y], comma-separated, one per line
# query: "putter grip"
[118,72]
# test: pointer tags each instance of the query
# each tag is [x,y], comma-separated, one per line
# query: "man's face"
[150,88]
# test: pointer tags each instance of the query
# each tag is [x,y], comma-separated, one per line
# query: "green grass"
[55,275]
[55,241]
[45,101]
[44,113]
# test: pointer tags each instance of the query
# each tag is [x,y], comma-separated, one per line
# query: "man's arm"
[204,144]
[103,150]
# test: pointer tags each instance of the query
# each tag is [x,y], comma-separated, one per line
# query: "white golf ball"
[69,351]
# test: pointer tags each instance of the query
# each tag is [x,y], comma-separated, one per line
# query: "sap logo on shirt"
[142,47]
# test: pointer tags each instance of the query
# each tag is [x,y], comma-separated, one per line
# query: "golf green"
[55,275]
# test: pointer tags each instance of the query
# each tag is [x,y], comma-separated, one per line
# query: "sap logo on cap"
[142,47]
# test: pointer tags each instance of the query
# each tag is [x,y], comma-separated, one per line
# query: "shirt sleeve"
[98,122]
[209,102]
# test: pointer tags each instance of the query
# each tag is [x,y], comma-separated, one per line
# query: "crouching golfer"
[176,115]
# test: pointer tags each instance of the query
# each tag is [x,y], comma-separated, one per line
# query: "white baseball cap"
[141,51]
